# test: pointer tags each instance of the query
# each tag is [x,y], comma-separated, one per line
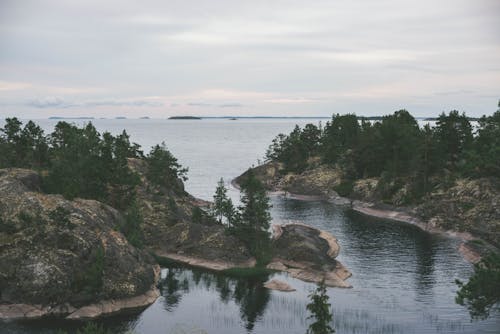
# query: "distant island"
[184,117]
[60,117]
[120,117]
[144,117]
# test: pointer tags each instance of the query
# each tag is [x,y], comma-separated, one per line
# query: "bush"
[344,188]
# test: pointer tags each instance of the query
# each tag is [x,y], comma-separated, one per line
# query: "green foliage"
[131,227]
[22,147]
[295,149]
[481,294]
[397,150]
[344,188]
[85,164]
[223,209]
[197,215]
[163,168]
[250,221]
[485,154]
[320,312]
[454,135]
[339,135]
[254,218]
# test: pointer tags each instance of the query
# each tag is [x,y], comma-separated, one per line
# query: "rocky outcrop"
[469,209]
[170,231]
[308,254]
[59,256]
[468,206]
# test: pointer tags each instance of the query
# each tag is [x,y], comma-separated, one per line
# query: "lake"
[403,278]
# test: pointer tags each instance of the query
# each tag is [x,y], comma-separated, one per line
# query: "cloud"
[230,105]
[278,56]
[50,102]
[6,85]
[199,104]
[60,103]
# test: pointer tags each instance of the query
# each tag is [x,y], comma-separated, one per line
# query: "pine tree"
[223,208]
[320,312]
[253,223]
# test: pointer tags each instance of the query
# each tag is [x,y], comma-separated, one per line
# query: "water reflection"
[247,293]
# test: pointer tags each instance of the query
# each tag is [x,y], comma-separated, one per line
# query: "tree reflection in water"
[248,293]
[171,288]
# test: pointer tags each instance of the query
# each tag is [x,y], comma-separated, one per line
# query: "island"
[184,117]
[84,238]
[443,179]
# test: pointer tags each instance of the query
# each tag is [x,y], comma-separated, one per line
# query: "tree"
[339,135]
[320,311]
[223,208]
[252,225]
[399,135]
[82,163]
[481,294]
[454,135]
[485,156]
[22,147]
[164,170]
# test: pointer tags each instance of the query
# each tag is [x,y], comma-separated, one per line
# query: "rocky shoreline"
[317,185]
[69,258]
[67,311]
[307,254]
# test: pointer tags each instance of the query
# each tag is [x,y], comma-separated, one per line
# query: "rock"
[168,228]
[275,284]
[58,255]
[469,208]
[308,254]
[267,173]
[201,262]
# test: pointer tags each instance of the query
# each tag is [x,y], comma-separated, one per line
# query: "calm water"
[403,278]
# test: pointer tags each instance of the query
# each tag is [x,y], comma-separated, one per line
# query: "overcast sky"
[292,58]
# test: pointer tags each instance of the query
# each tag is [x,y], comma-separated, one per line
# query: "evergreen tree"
[223,209]
[164,170]
[339,135]
[320,312]
[454,135]
[252,225]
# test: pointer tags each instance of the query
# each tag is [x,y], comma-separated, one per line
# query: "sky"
[160,58]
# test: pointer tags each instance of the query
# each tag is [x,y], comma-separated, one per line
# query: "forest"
[395,149]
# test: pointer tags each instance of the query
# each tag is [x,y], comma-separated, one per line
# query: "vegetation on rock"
[395,150]
[250,221]
[319,307]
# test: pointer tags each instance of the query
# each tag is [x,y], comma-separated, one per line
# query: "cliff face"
[60,255]
[467,206]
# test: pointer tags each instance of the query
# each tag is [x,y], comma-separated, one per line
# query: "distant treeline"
[395,148]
